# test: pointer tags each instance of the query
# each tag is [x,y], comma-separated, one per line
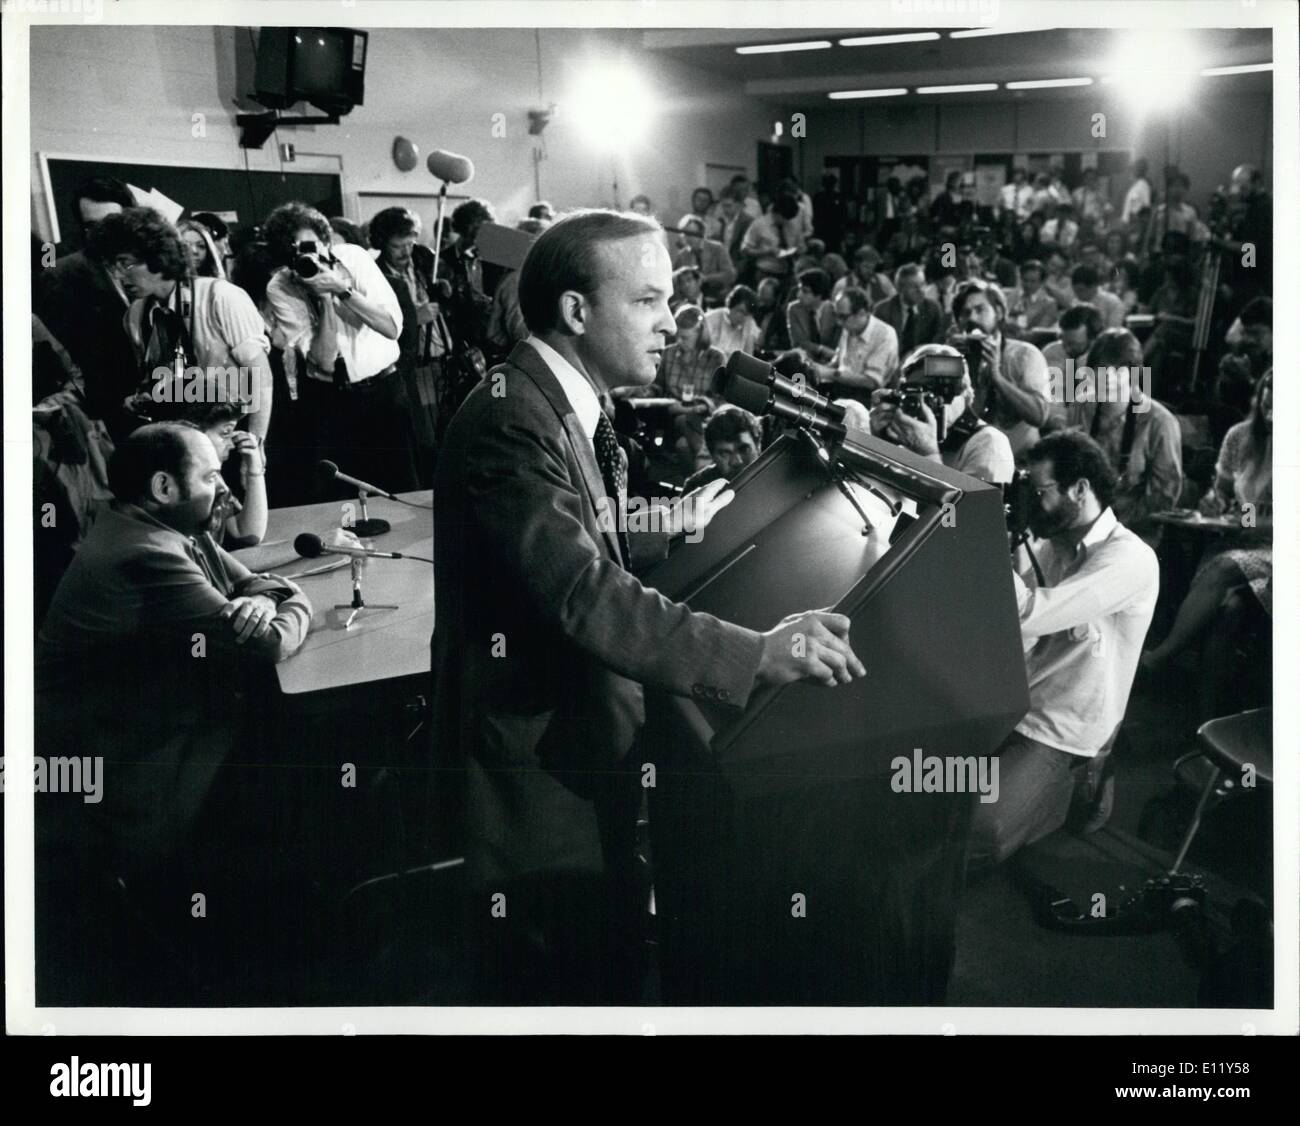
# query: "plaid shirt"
[679,369]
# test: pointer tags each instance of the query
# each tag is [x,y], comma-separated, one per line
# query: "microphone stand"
[358,604]
[367,526]
[838,474]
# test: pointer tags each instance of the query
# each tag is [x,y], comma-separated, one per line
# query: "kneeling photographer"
[1085,607]
[929,410]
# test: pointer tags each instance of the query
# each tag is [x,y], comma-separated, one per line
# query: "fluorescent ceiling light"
[892,92]
[975,32]
[773,48]
[965,88]
[1048,83]
[902,37]
[1246,68]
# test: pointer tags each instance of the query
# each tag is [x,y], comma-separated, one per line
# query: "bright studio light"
[1154,70]
[612,107]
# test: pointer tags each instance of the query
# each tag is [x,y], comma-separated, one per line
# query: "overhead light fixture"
[1245,68]
[1048,83]
[976,32]
[964,88]
[612,106]
[891,92]
[1154,71]
[774,48]
[901,37]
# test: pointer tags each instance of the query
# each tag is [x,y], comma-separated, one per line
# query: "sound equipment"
[789,869]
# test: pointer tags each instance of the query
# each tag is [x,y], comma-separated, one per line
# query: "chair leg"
[1208,789]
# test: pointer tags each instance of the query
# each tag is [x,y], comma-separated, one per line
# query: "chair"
[1229,744]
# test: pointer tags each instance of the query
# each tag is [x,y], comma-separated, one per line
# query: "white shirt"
[1018,198]
[1137,197]
[365,352]
[868,358]
[728,339]
[986,454]
[580,393]
[1083,633]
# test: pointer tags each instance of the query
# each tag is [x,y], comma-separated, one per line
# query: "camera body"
[934,379]
[309,261]
[1018,498]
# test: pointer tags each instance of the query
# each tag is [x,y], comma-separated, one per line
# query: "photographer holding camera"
[338,321]
[1084,610]
[934,380]
[1010,376]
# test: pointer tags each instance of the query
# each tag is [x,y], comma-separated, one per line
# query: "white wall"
[130,93]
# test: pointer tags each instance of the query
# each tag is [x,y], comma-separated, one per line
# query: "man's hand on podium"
[690,515]
[813,645]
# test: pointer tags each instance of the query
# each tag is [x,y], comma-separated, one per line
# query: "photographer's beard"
[1064,516]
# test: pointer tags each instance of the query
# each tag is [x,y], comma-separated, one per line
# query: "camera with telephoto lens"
[1018,498]
[308,262]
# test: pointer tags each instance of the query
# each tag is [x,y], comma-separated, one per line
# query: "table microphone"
[311,546]
[367,525]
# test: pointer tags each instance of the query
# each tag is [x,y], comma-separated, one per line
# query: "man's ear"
[573,312]
[162,487]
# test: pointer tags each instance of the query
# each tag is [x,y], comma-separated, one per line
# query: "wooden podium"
[788,869]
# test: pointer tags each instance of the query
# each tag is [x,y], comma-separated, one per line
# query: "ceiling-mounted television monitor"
[325,66]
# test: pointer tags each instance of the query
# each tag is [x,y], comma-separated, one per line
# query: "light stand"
[358,603]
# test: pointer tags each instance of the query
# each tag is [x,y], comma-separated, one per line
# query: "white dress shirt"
[867,359]
[1083,633]
[1137,197]
[577,389]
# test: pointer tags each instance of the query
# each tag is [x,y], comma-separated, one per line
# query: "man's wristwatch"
[346,295]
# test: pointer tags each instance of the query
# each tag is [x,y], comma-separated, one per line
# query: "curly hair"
[283,224]
[1075,457]
[145,235]
[470,212]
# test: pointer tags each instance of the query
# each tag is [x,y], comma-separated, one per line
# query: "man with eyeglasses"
[867,354]
[1086,598]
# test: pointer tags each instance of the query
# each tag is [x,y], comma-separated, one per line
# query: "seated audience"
[708,256]
[1057,280]
[1243,484]
[1010,376]
[339,327]
[209,323]
[866,275]
[1032,307]
[1061,229]
[734,329]
[1123,283]
[734,439]
[1084,610]
[916,318]
[970,444]
[685,375]
[1085,285]
[811,317]
[703,210]
[1141,437]
[734,221]
[147,642]
[688,287]
[1080,325]
[867,354]
[818,257]
[769,314]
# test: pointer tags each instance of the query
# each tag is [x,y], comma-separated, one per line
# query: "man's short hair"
[1086,276]
[470,212]
[907,271]
[1074,457]
[282,227]
[565,258]
[153,448]
[686,272]
[542,209]
[146,236]
[857,298]
[816,247]
[819,281]
[1258,311]
[391,223]
[968,289]
[786,204]
[105,189]
[1082,315]
[742,295]
[1032,265]
[728,423]
[1115,348]
[694,222]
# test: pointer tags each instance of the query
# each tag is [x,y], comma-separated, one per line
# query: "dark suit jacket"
[800,322]
[927,324]
[85,313]
[543,640]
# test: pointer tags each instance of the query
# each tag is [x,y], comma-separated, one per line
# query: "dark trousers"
[366,429]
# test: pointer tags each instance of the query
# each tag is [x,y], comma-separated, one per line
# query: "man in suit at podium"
[544,635]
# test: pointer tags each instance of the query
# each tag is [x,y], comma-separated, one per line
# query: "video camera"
[1018,499]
